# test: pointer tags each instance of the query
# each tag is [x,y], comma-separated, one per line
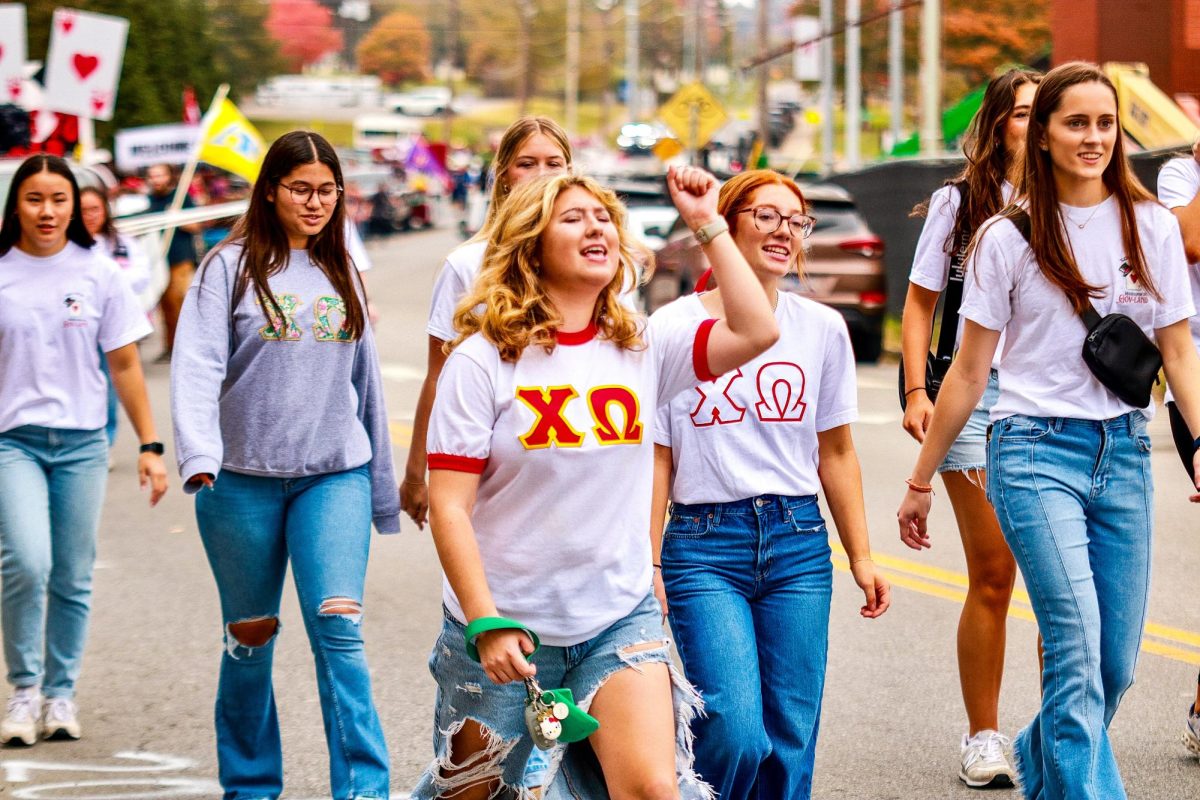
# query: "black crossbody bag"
[1116,349]
[937,363]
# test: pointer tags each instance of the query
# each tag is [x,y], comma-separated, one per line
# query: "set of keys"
[543,715]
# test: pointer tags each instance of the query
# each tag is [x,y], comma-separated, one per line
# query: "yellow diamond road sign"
[694,114]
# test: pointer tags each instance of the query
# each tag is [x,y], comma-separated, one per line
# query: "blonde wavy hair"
[507,303]
[514,138]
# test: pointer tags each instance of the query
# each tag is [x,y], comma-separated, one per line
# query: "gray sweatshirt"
[250,398]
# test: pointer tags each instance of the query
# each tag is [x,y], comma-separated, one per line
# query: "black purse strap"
[954,285]
[1091,318]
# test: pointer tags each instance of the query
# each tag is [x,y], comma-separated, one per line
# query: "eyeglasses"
[301,193]
[768,220]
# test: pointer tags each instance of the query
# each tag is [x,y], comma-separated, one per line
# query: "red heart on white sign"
[67,22]
[99,101]
[14,87]
[84,65]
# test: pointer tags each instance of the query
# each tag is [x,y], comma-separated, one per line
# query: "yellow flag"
[232,143]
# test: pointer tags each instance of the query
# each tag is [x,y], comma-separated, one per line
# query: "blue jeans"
[748,588]
[1076,502]
[51,491]
[251,527]
[110,422]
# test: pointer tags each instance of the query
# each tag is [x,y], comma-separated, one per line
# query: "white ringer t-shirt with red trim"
[753,431]
[564,446]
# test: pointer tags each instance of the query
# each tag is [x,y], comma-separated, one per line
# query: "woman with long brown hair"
[541,461]
[994,148]
[1068,459]
[281,432]
[529,148]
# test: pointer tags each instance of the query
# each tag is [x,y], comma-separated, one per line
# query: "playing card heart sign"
[12,51]
[83,65]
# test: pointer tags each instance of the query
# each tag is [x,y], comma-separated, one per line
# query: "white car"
[426,101]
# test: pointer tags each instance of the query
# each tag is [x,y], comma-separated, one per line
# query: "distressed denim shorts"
[466,693]
[969,451]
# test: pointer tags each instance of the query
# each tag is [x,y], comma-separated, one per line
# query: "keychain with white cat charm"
[543,715]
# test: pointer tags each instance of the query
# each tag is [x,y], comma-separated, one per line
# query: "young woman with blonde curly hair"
[541,459]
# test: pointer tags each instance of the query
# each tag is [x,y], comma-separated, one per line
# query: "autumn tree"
[304,30]
[397,49]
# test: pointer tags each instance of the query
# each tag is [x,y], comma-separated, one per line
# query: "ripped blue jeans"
[465,692]
[252,527]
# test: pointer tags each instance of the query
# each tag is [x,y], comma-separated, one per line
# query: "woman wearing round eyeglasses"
[744,567]
[282,434]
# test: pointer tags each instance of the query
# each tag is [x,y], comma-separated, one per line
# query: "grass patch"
[339,134]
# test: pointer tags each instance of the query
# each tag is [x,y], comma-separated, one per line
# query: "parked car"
[425,101]
[843,268]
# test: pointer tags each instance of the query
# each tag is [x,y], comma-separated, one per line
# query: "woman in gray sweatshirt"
[280,428]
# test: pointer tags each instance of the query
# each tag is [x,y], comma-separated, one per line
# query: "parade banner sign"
[83,65]
[138,148]
[12,53]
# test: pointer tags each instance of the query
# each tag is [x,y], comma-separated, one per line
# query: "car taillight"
[872,298]
[867,247]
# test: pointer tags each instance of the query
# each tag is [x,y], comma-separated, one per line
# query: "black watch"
[152,447]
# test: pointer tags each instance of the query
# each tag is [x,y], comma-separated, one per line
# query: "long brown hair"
[1048,238]
[511,142]
[108,229]
[507,303]
[10,229]
[265,248]
[981,183]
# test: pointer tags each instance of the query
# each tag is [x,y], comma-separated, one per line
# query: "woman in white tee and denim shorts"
[994,150]
[541,463]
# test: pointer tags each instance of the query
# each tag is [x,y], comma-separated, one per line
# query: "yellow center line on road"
[950,585]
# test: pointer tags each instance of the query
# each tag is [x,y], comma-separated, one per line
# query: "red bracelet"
[916,487]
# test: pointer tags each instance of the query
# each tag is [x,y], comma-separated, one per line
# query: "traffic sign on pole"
[694,115]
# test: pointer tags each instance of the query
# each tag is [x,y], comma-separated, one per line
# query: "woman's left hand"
[152,473]
[694,193]
[876,590]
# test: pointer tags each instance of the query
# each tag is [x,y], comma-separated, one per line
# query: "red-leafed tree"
[304,30]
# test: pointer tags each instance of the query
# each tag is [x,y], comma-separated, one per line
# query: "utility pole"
[764,18]
[853,83]
[931,77]
[896,70]
[689,46]
[632,87]
[701,30]
[572,83]
[827,85]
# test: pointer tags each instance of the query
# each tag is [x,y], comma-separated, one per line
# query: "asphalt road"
[892,713]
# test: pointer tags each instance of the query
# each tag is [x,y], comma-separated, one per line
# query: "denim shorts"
[969,451]
[465,692]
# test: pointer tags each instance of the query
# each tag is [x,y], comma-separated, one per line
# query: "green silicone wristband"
[485,624]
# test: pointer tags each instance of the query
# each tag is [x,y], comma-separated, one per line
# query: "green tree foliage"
[396,49]
[173,44]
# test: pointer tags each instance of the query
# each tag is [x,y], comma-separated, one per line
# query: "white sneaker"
[1191,731]
[60,719]
[984,763]
[22,720]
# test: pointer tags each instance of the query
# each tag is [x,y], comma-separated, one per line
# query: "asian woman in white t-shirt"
[1068,461]
[744,568]
[65,304]
[529,148]
[994,149]
[541,464]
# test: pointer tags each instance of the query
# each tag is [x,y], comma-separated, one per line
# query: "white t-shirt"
[130,257]
[564,446]
[58,312]
[1042,372]
[931,262]
[456,277]
[754,430]
[1178,185]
